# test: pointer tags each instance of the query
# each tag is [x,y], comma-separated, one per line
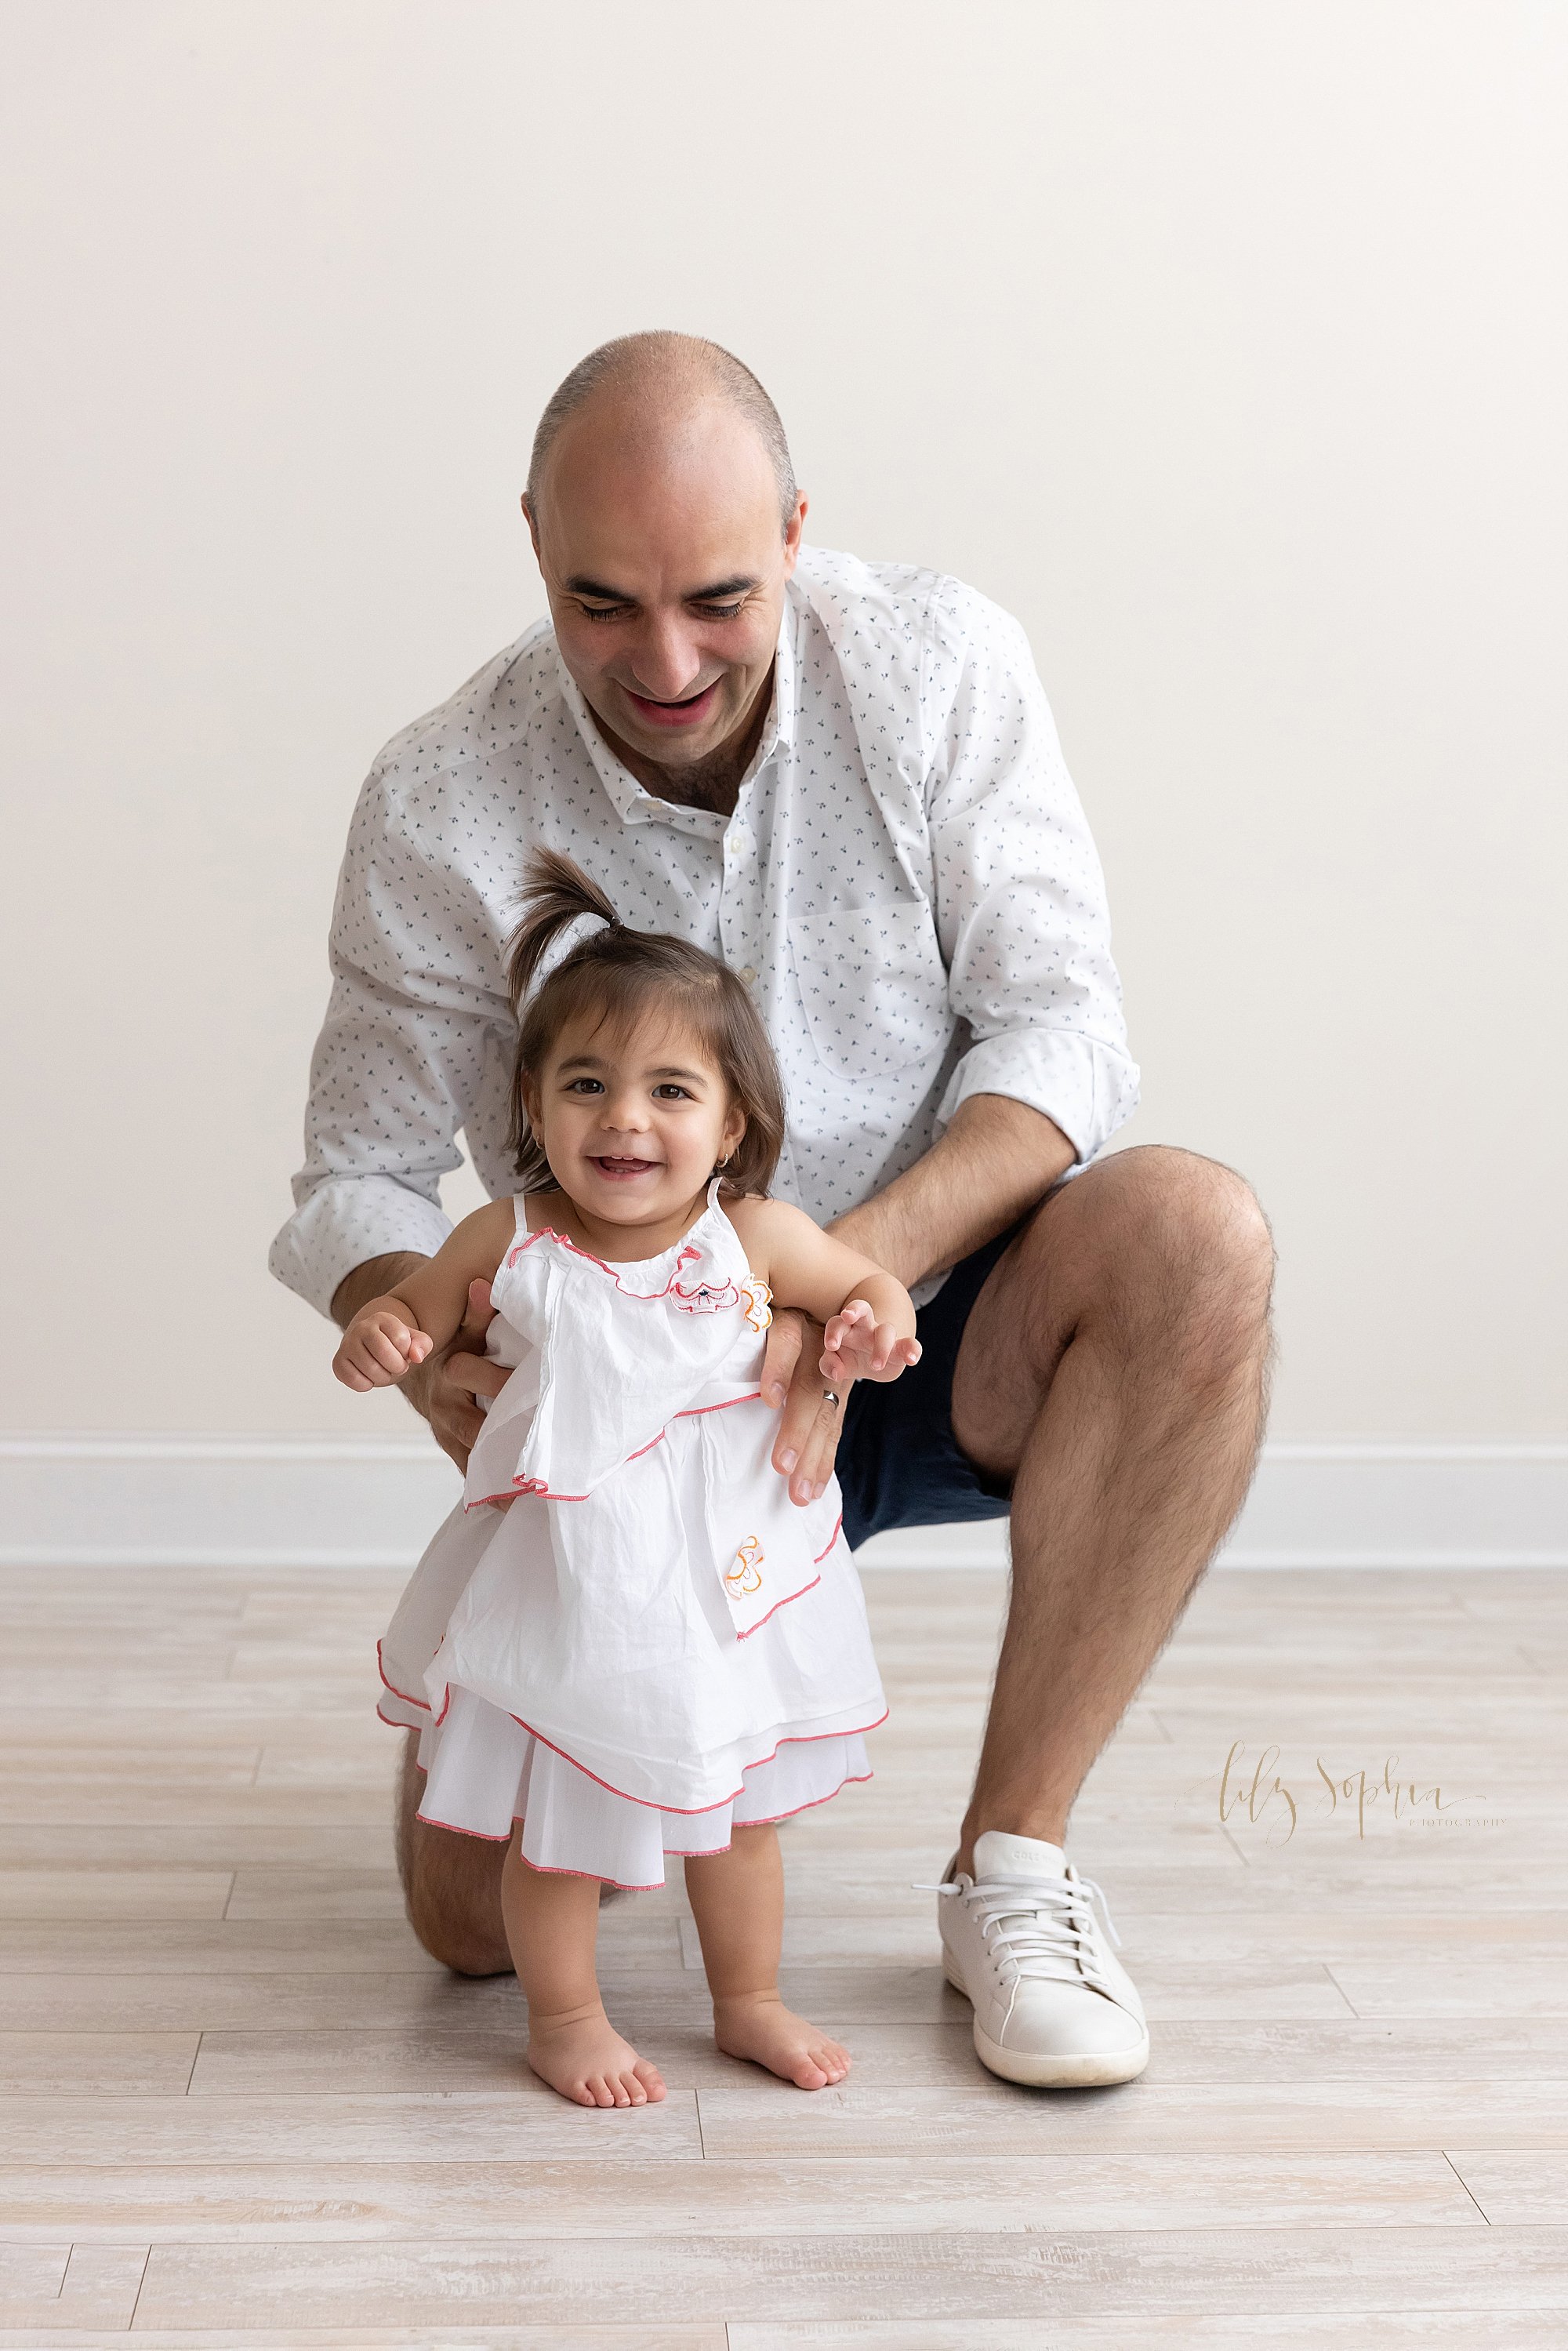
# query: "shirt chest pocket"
[872,985]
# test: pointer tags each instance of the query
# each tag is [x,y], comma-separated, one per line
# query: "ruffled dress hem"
[484,1770]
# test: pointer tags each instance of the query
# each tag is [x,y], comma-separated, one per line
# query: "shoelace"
[1044,1926]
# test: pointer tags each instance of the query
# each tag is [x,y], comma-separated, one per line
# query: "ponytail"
[557,894]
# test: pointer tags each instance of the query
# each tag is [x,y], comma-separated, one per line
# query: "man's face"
[665,559]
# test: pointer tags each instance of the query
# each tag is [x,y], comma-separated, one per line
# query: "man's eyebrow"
[579,584]
[739,586]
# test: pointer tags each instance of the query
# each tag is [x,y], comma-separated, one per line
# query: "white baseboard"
[240,1501]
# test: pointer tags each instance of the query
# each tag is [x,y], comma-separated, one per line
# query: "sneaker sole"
[1098,2070]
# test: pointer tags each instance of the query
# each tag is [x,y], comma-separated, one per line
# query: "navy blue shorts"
[899,1462]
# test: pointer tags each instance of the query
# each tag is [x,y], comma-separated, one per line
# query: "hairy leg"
[451,1883]
[1115,1366]
[737,1901]
[552,1920]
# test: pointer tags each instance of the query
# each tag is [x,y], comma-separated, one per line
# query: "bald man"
[842,779]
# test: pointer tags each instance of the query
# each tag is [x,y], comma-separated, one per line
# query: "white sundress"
[652,1643]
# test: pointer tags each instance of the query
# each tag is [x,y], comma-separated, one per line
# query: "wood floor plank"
[96,1845]
[101,2064]
[987,2118]
[490,2057]
[318,1893]
[67,1892]
[527,2124]
[485,2054]
[457,2336]
[140,1802]
[1259,2329]
[1423,2050]
[239,2202]
[1512,2186]
[1515,1985]
[1056,2278]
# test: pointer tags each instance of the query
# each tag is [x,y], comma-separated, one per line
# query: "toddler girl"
[627,1641]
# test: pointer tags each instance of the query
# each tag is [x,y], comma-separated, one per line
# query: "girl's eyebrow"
[593,1062]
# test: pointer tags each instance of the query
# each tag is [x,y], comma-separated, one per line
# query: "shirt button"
[748,975]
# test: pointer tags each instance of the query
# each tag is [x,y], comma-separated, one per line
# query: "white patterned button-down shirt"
[908,886]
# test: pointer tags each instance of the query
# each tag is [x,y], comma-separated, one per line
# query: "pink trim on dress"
[549,1233]
[687,1812]
[675,1852]
[537,1486]
[774,1610]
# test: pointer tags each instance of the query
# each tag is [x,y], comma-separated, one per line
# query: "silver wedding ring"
[829,1396]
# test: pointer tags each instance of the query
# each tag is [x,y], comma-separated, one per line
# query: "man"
[844,779]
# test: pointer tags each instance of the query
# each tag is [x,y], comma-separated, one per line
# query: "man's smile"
[689,713]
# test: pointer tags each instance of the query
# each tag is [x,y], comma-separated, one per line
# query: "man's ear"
[794,529]
[532,520]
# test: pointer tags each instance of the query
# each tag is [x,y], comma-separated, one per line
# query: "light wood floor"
[241,2106]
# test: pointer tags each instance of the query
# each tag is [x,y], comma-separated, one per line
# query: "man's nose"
[667,665]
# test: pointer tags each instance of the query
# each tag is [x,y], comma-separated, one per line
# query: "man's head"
[666,521]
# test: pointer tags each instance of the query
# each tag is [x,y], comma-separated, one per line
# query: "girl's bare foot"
[580,2053]
[757,2025]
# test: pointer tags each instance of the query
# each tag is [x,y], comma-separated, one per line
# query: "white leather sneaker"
[1021,1941]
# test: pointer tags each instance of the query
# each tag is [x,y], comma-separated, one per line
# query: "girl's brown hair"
[619,974]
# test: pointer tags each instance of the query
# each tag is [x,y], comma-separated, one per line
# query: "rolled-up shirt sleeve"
[414,1021]
[1021,914]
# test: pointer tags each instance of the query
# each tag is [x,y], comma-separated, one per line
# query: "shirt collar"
[636,806]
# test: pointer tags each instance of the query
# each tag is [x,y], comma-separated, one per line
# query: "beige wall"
[1222,343]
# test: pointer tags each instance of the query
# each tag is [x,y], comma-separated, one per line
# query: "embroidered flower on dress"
[745,1576]
[707,1297]
[756,1293]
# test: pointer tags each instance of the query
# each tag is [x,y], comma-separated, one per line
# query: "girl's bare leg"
[552,1922]
[737,1901]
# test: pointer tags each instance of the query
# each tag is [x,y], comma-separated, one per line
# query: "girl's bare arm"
[869,1314]
[390,1334]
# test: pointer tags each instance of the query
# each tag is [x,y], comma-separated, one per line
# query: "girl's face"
[635,1122]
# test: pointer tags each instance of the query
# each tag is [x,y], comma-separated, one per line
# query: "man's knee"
[455,1944]
[451,1884]
[1182,1244]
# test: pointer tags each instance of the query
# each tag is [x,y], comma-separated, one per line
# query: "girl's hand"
[379,1348]
[856,1346]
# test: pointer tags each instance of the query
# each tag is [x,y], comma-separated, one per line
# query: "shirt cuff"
[345,1223]
[1086,1088]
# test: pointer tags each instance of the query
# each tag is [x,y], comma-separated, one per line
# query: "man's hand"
[808,1432]
[443,1388]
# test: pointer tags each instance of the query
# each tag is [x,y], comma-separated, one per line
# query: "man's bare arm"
[996,1159]
[374,1278]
